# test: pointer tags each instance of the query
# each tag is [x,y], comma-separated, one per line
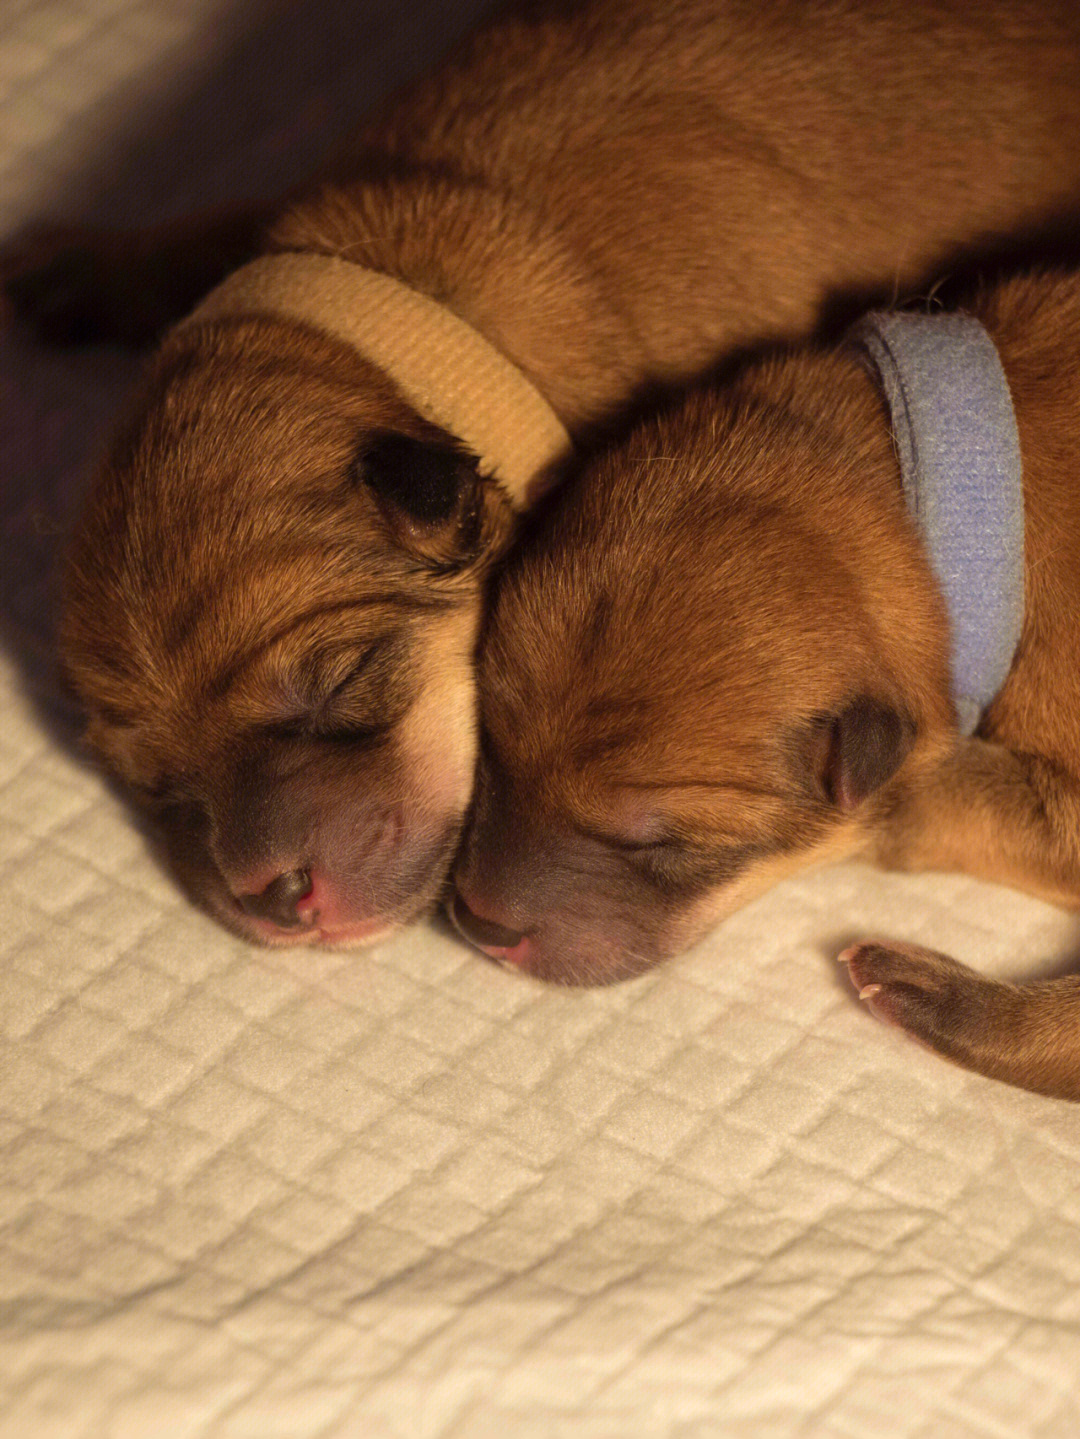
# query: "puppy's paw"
[935,1000]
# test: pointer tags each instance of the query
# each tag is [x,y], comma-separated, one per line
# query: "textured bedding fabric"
[400,1192]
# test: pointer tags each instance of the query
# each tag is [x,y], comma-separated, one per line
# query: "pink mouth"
[516,954]
[486,933]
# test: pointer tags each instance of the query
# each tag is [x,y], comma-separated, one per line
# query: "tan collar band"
[446,370]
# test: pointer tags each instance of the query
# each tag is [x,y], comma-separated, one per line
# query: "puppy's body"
[726,657]
[271,609]
[668,184]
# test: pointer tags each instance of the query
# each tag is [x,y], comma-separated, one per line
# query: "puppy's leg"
[987,811]
[1006,817]
[81,286]
[1027,1035]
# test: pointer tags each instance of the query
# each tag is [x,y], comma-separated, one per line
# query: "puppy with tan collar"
[829,610]
[273,596]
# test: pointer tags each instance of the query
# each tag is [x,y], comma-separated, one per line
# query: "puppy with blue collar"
[829,610]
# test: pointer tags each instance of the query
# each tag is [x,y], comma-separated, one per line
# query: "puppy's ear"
[860,748]
[433,498]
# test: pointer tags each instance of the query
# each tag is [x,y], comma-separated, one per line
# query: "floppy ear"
[432,496]
[866,744]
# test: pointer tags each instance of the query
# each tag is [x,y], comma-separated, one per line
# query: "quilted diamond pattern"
[401,1193]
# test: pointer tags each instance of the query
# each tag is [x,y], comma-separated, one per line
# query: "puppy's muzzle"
[279,900]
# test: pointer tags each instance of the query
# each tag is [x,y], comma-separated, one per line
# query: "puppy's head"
[270,612]
[691,682]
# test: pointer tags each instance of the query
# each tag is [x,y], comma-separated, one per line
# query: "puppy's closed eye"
[672,863]
[353,695]
[166,792]
[369,698]
[679,868]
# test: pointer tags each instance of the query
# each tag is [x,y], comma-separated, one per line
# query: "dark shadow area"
[269,94]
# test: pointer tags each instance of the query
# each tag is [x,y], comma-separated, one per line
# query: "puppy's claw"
[929,996]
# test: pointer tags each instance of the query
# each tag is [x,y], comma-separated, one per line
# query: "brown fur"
[615,195]
[724,658]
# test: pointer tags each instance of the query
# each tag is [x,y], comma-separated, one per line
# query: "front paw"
[935,1000]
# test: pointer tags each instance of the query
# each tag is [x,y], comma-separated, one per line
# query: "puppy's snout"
[494,939]
[279,900]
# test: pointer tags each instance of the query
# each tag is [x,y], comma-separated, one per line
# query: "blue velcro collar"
[959,454]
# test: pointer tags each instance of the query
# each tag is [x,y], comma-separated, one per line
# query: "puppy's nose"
[278,901]
[484,933]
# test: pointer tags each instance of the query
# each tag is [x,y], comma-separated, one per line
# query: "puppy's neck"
[445,369]
[507,271]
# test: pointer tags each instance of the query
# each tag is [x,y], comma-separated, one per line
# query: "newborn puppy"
[731,652]
[273,595]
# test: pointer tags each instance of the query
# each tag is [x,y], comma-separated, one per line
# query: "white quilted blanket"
[403,1193]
